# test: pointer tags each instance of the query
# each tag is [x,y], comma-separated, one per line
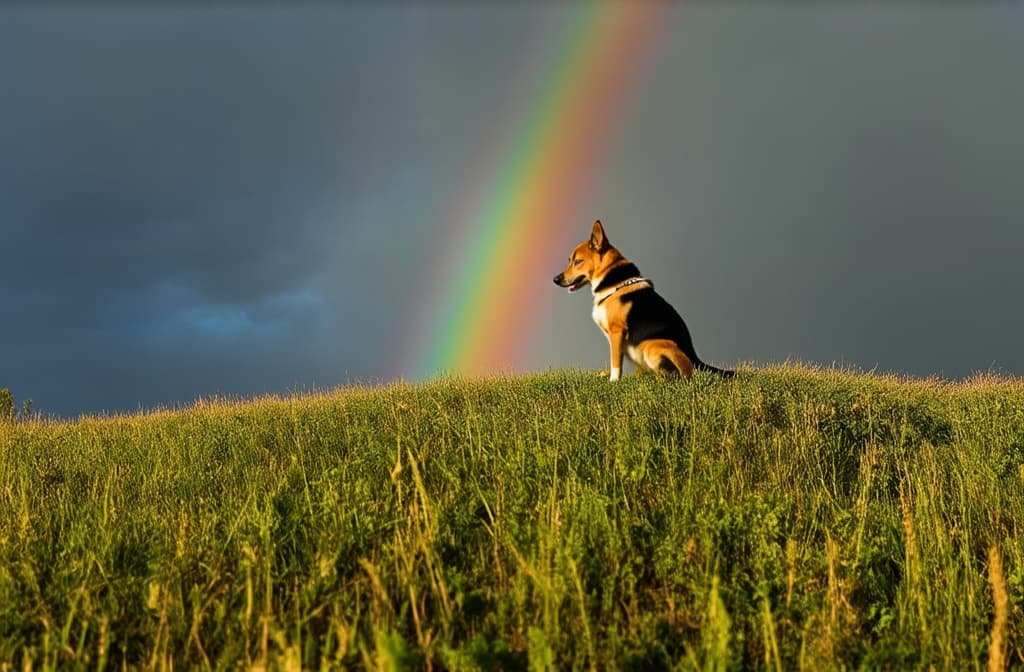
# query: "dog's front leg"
[616,340]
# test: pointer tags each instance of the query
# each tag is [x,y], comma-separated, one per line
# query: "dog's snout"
[560,278]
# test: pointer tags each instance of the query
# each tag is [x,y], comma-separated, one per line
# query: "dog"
[634,318]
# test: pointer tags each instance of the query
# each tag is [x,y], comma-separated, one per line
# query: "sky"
[237,199]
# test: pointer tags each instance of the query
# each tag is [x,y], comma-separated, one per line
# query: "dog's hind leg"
[664,356]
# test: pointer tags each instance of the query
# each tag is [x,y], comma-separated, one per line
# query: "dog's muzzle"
[573,285]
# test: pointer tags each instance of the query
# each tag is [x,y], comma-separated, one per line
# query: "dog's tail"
[724,373]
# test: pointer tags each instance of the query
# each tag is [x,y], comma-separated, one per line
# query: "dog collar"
[623,285]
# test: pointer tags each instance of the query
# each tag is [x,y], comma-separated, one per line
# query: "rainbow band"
[543,177]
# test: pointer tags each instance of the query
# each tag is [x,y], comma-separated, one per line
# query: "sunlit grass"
[791,518]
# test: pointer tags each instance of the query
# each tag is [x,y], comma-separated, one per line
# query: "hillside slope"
[791,518]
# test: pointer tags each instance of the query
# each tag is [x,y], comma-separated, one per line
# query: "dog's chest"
[600,315]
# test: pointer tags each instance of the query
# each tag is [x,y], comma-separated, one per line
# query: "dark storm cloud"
[177,186]
[189,140]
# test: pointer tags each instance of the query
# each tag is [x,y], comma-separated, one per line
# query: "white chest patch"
[600,318]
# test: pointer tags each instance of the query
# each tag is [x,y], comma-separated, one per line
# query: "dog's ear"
[598,241]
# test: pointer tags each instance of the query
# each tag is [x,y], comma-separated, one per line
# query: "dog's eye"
[577,262]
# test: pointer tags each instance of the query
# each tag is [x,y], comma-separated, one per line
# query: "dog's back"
[651,317]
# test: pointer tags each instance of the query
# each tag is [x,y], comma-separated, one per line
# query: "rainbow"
[526,191]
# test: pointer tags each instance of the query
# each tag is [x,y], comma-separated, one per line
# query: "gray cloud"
[179,188]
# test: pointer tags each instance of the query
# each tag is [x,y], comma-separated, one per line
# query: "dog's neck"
[619,273]
[618,277]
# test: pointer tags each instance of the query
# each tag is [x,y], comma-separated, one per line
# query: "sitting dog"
[634,318]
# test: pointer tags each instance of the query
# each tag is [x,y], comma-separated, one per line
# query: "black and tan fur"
[637,321]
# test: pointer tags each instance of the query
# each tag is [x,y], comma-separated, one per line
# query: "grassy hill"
[791,518]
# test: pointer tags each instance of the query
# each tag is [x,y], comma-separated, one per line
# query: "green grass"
[790,519]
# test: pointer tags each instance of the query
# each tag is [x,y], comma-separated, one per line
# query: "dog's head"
[588,260]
